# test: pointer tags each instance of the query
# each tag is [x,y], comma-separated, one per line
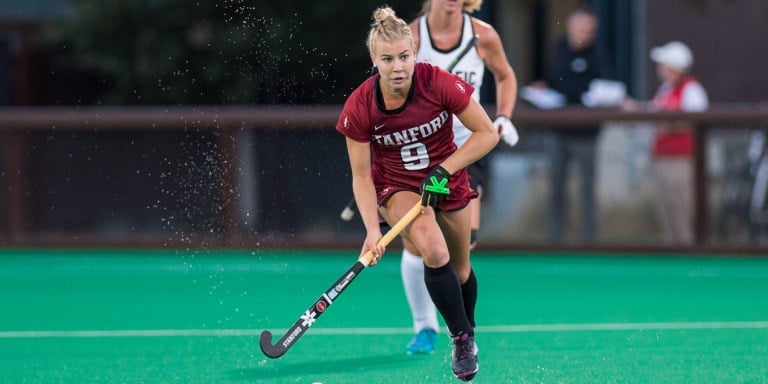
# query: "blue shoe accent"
[423,342]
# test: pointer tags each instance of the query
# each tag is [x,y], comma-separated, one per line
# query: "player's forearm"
[365,196]
[506,94]
[478,145]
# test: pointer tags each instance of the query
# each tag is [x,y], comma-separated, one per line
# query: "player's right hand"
[371,243]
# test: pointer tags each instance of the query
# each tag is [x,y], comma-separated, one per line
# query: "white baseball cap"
[674,54]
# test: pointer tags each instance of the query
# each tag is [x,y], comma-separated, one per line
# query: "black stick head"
[265,342]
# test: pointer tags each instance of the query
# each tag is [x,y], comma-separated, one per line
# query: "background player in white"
[442,35]
[402,119]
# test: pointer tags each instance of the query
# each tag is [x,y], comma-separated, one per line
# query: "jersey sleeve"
[454,91]
[351,123]
[694,98]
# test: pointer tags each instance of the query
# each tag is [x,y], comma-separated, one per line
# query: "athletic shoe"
[423,342]
[464,357]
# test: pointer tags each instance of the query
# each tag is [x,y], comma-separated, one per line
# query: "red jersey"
[678,143]
[409,141]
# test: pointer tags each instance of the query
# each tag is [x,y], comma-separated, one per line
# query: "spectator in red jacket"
[673,147]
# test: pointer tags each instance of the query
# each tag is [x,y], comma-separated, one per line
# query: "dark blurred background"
[127,52]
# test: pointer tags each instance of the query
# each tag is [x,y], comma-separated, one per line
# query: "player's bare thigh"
[424,232]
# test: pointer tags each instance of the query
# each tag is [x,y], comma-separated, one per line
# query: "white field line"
[523,328]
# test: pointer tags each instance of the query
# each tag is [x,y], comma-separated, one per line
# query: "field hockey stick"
[331,294]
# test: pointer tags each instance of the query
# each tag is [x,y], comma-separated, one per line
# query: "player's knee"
[435,256]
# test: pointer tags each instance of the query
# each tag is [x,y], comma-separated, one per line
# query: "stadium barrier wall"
[277,176]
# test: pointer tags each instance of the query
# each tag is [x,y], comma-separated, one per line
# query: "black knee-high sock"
[445,291]
[469,294]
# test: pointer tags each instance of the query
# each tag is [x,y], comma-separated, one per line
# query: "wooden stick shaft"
[394,231]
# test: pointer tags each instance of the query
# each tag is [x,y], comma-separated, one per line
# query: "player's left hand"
[434,187]
[506,130]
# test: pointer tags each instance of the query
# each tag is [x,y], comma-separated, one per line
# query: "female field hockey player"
[402,119]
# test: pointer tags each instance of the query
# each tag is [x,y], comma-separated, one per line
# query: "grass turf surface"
[109,316]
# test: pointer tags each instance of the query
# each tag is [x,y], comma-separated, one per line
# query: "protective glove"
[434,187]
[506,130]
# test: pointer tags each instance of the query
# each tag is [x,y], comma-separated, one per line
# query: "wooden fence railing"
[17,124]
